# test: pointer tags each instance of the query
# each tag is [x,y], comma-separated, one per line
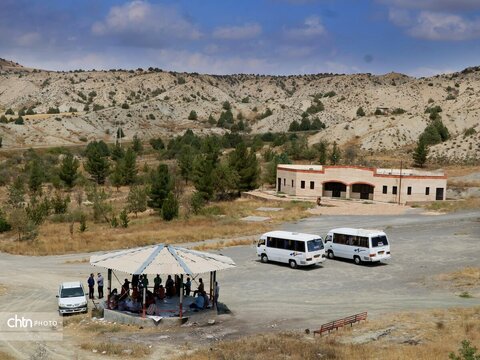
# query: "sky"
[281,37]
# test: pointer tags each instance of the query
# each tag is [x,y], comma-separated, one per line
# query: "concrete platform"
[128,318]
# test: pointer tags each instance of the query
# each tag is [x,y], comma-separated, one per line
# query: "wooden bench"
[325,327]
[341,322]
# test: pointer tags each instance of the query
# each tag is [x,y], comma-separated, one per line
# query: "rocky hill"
[91,104]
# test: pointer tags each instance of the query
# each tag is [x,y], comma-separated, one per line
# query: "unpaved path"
[271,297]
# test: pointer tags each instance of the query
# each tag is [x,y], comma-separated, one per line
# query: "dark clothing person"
[156,283]
[125,292]
[135,281]
[187,287]
[91,287]
[100,285]
[169,286]
[201,287]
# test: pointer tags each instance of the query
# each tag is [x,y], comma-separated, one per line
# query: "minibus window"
[261,242]
[379,241]
[314,245]
[300,246]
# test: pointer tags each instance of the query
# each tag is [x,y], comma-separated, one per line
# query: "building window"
[409,190]
[385,188]
[394,190]
[302,184]
[292,183]
[427,190]
[312,185]
[284,182]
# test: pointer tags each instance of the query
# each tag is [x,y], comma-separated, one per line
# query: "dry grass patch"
[77,261]
[223,244]
[452,206]
[6,356]
[468,277]
[117,349]
[217,221]
[3,290]
[412,336]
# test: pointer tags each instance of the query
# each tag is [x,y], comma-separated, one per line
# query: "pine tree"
[420,154]
[117,152]
[97,164]
[170,207]
[129,167]
[160,186]
[185,162]
[321,148]
[245,163]
[203,169]
[225,180]
[16,193]
[335,155]
[137,145]
[116,177]
[36,176]
[124,220]
[68,170]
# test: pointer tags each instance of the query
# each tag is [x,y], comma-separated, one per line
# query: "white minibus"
[295,249]
[357,244]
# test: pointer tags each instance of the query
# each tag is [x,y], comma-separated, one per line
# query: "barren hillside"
[153,102]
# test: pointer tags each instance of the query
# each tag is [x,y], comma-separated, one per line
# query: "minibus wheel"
[264,258]
[330,254]
[293,264]
[357,260]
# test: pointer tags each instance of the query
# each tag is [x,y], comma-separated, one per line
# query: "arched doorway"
[334,189]
[362,191]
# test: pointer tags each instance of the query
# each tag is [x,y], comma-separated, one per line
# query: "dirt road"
[270,297]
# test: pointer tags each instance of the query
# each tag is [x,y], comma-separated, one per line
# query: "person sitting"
[199,302]
[125,291]
[169,286]
[205,300]
[201,287]
[161,292]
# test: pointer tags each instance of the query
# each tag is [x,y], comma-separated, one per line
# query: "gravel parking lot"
[270,296]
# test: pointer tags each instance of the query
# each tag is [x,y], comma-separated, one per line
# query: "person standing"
[100,285]
[156,283]
[188,287]
[91,287]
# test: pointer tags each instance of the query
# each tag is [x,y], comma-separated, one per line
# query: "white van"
[295,249]
[357,244]
[71,298]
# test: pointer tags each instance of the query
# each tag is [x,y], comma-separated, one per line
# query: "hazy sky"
[417,37]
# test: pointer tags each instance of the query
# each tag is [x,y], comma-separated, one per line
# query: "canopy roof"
[162,259]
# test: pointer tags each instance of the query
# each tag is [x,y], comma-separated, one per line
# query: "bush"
[157,144]
[197,202]
[466,352]
[398,111]
[19,121]
[360,111]
[4,224]
[53,110]
[193,115]
[9,112]
[469,132]
[125,106]
[181,80]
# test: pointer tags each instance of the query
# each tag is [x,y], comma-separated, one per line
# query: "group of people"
[132,292]
[91,286]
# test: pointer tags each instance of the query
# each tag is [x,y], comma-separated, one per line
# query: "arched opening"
[334,189]
[362,191]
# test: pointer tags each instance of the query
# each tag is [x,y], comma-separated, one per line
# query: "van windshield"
[379,241]
[315,245]
[72,292]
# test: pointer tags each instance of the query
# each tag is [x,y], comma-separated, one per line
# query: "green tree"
[245,163]
[335,154]
[193,115]
[160,185]
[420,153]
[16,193]
[116,176]
[22,225]
[97,164]
[157,144]
[226,180]
[170,207]
[137,199]
[197,202]
[101,208]
[124,220]
[129,167]
[294,126]
[36,176]
[203,168]
[321,148]
[4,224]
[466,352]
[360,111]
[226,106]
[271,174]
[68,170]
[186,162]
[117,152]
[137,145]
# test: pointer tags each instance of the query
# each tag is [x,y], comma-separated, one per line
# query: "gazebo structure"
[164,260]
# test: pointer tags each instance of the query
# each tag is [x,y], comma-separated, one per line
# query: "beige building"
[355,182]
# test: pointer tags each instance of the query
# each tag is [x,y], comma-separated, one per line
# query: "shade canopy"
[162,259]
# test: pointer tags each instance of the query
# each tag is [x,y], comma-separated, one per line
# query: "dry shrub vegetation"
[456,205]
[468,277]
[412,336]
[117,349]
[219,220]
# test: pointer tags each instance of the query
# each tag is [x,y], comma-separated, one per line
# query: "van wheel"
[293,264]
[330,254]
[357,260]
[264,258]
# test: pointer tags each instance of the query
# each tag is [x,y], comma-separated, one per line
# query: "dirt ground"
[272,297]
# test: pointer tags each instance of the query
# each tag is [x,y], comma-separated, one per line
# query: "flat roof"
[379,171]
[291,235]
[357,232]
